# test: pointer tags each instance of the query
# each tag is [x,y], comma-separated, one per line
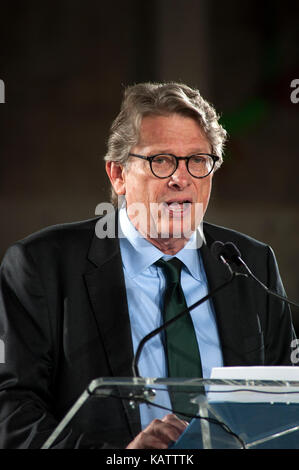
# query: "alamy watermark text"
[295,93]
[2,91]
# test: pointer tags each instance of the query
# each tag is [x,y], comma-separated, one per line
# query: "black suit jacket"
[64,322]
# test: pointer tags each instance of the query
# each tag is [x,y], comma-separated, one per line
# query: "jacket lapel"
[234,309]
[107,293]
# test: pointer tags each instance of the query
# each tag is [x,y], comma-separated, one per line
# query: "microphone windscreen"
[231,253]
[216,249]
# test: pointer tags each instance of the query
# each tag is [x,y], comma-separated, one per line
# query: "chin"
[175,229]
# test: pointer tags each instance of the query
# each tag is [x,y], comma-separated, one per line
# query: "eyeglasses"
[163,165]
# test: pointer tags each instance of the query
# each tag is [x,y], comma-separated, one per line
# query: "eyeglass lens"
[198,165]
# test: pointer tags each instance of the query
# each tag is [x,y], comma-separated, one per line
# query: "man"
[74,304]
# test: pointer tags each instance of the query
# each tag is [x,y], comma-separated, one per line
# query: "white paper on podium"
[256,388]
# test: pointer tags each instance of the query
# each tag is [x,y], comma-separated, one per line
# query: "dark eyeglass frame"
[215,159]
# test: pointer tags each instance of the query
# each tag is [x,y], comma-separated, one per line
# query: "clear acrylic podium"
[222,414]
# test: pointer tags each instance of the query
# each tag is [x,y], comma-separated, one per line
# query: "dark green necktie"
[182,351]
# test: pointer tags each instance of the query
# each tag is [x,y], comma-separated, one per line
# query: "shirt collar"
[138,253]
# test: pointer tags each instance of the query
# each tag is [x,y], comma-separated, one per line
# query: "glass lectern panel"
[222,414]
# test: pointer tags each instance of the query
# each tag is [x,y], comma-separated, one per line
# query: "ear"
[115,172]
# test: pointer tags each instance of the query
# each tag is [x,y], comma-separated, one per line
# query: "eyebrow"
[193,152]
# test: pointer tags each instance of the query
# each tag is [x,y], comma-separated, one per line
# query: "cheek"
[204,191]
[136,190]
[143,190]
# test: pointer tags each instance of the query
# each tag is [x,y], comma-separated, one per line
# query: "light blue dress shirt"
[145,284]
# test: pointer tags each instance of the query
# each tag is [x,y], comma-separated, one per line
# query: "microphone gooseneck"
[164,326]
[231,254]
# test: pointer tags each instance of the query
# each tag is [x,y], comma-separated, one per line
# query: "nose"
[181,178]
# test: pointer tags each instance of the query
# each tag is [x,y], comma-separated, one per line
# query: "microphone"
[228,253]
[215,249]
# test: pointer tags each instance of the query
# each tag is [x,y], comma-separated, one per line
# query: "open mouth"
[178,207]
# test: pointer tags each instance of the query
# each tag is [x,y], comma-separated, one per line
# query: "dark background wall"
[65,63]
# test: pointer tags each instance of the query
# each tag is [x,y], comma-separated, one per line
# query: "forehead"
[172,130]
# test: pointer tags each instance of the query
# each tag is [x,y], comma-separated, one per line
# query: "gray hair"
[150,99]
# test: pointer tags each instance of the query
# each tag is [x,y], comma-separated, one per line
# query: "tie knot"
[172,269]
